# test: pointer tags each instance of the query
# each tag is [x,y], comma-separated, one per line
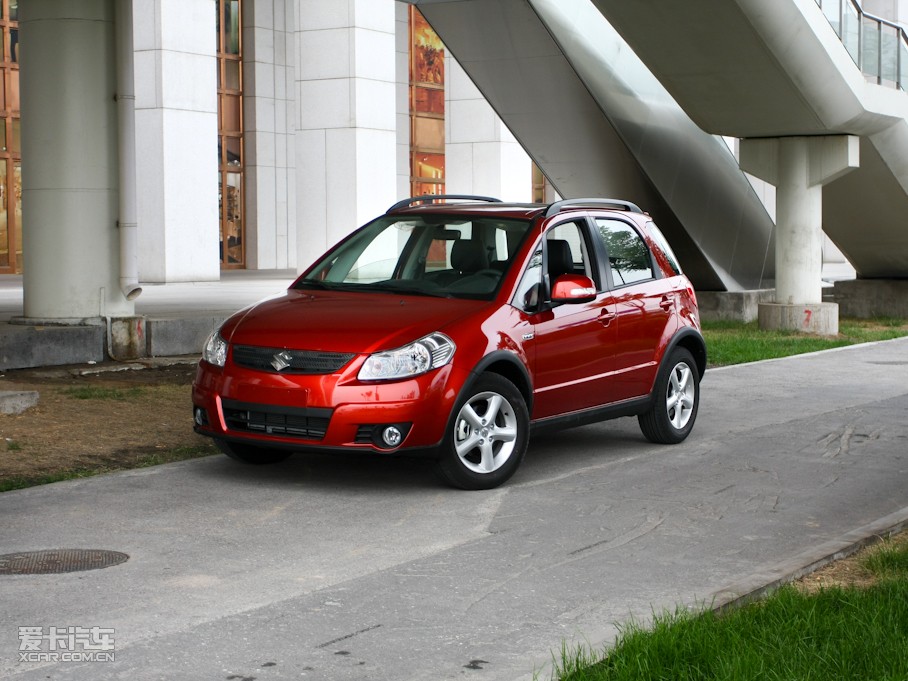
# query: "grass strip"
[834,633]
[99,393]
[729,342]
[141,461]
[850,633]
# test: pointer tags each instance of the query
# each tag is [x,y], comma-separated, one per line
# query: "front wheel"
[487,438]
[251,453]
[676,397]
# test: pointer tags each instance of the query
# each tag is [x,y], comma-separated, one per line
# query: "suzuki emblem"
[281,360]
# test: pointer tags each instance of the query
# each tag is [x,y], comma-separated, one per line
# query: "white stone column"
[481,155]
[69,177]
[176,140]
[799,167]
[268,136]
[345,119]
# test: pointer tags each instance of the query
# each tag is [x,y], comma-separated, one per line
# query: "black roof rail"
[434,197]
[556,207]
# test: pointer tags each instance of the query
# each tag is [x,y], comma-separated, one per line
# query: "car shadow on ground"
[549,453]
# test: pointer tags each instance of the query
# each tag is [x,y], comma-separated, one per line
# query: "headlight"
[431,352]
[215,350]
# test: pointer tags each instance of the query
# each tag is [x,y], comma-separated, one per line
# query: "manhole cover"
[56,561]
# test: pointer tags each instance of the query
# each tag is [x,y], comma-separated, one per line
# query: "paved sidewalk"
[362,568]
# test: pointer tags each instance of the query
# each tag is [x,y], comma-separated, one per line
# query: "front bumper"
[322,412]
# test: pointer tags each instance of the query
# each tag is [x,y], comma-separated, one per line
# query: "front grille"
[310,424]
[279,360]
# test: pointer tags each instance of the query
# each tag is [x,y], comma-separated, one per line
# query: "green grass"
[888,562]
[141,461]
[737,342]
[834,634]
[96,393]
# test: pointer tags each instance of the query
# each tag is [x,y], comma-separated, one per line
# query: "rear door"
[645,305]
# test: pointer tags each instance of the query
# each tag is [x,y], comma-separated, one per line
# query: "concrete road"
[342,569]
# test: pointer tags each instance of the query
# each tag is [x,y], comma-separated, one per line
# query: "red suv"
[455,326]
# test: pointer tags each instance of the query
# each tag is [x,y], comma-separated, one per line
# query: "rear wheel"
[488,436]
[676,397]
[251,453]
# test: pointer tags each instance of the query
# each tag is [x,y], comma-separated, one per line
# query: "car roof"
[482,205]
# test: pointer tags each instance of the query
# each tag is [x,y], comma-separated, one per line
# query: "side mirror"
[573,288]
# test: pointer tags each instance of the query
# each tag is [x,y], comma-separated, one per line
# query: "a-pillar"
[346,123]
[799,167]
[69,178]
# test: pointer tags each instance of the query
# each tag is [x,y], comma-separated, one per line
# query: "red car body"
[576,346]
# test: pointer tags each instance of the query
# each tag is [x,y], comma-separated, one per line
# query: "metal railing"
[878,47]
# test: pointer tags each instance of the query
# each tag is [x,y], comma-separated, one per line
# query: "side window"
[566,251]
[629,258]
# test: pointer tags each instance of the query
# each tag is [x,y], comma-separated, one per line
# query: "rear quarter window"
[661,242]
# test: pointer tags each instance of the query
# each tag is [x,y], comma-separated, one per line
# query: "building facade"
[266,130]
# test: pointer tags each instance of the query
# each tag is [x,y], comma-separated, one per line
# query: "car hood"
[342,321]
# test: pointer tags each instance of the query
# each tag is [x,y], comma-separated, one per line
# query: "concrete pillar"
[481,154]
[268,57]
[799,167]
[176,139]
[69,179]
[345,119]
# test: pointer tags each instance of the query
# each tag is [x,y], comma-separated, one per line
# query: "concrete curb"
[760,584]
[17,401]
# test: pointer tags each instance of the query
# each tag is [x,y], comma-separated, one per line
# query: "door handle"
[606,317]
[667,303]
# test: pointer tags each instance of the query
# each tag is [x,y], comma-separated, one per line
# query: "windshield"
[450,257]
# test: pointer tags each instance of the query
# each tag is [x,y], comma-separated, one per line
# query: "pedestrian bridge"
[611,97]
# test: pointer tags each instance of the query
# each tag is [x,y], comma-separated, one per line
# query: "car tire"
[250,453]
[487,437]
[676,398]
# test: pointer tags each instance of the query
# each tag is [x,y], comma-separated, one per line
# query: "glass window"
[17,209]
[427,107]
[628,257]
[232,27]
[4,217]
[662,243]
[527,296]
[577,262]
[456,257]
[230,134]
[10,146]
[232,76]
[870,48]
[12,89]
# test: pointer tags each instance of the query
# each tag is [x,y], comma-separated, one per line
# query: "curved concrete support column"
[799,167]
[69,181]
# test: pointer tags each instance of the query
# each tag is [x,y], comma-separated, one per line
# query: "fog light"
[391,436]
[201,418]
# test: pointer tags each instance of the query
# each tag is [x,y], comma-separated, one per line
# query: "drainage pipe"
[126,115]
